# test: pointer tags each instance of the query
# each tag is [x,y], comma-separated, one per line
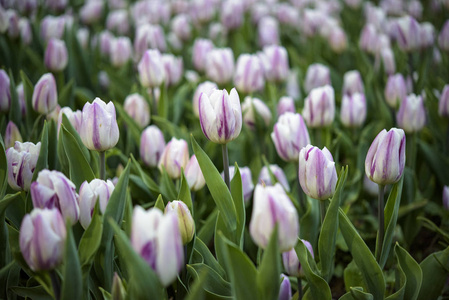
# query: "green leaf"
[15,114]
[214,283]
[208,257]
[160,203]
[5,255]
[35,293]
[68,125]
[359,294]
[270,269]
[310,222]
[237,197]
[206,232]
[90,240]
[167,186]
[197,291]
[184,193]
[149,182]
[3,170]
[353,277]
[52,145]
[435,271]
[72,283]
[437,161]
[412,271]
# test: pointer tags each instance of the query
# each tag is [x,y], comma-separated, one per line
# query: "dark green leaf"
[36,293]
[237,197]
[435,271]
[412,271]
[270,269]
[90,240]
[72,283]
[184,193]
[160,203]
[3,170]
[214,283]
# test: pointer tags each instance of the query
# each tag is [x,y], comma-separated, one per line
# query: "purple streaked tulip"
[54,115]
[156,238]
[289,136]
[264,177]
[385,161]
[312,21]
[152,144]
[207,88]
[82,36]
[249,74]
[446,197]
[174,42]
[154,12]
[247,181]
[217,32]
[319,107]
[13,27]
[411,115]
[120,51]
[53,189]
[181,26]
[56,5]
[149,36]
[258,11]
[52,27]
[220,116]
[317,173]
[292,266]
[174,157]
[45,95]
[90,193]
[353,110]
[287,14]
[173,69]
[268,31]
[395,90]
[138,109]
[443,37]
[415,9]
[317,75]
[369,38]
[91,12]
[285,104]
[200,49]
[185,219]
[272,206]
[75,118]
[42,239]
[353,83]
[99,130]
[5,92]
[220,65]
[151,69]
[408,34]
[56,56]
[194,175]
[338,40]
[22,159]
[252,106]
[12,135]
[202,11]
[427,35]
[118,21]
[285,291]
[232,14]
[443,106]
[277,60]
[104,40]
[26,34]
[388,61]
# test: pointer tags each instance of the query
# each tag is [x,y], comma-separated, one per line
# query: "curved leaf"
[435,271]
[72,283]
[412,272]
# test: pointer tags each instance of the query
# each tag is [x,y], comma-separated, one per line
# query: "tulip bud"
[56,56]
[42,239]
[149,36]
[353,110]
[207,88]
[369,39]
[258,11]
[13,27]
[151,69]
[286,104]
[90,192]
[201,48]
[220,65]
[247,181]
[152,145]
[180,25]
[427,35]
[446,197]
[82,36]
[12,135]
[291,262]
[54,115]
[277,60]
[118,21]
[173,69]
[5,92]
[56,5]
[118,291]
[287,14]
[4,22]
[411,115]
[22,159]
[317,75]
[388,61]
[174,157]
[249,74]
[268,31]
[156,238]
[251,106]
[385,161]
[265,179]
[138,109]
[99,130]
[103,80]
[194,175]
[120,51]
[220,116]
[104,40]
[395,90]
[319,107]
[353,83]
[91,12]
[285,291]
[75,118]
[337,39]
[185,220]
[408,33]
[289,136]
[26,34]
[443,37]
[443,106]
[232,13]
[45,95]
[312,21]
[317,174]
[52,27]
[53,189]
[202,11]
[272,206]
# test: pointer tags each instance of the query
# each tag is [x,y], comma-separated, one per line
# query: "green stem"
[56,284]
[412,153]
[299,289]
[302,200]
[153,98]
[380,235]
[224,150]
[102,166]
[322,210]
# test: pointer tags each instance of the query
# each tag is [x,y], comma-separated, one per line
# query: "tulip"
[75,118]
[21,97]
[408,34]
[291,262]
[5,92]
[12,135]
[443,106]
[120,51]
[353,83]
[180,25]
[54,115]
[285,291]
[4,22]
[388,61]
[443,37]
[103,80]
[185,220]
[395,90]
[200,49]
[56,56]
[22,159]
[369,39]
[52,27]
[118,291]
[91,12]
[317,75]
[247,181]
[105,39]
[317,173]
[42,239]
[268,31]
[138,109]
[90,192]
[292,87]
[287,14]
[312,21]
[174,157]
[207,88]
[426,35]
[353,110]
[217,32]
[289,136]
[13,27]
[192,77]
[45,95]
[258,11]
[272,206]
[56,5]
[277,60]
[286,104]
[118,21]
[319,107]
[151,69]
[337,39]
[264,177]
[156,238]
[202,11]
[152,145]
[194,175]
[149,36]
[249,74]
[232,13]
[52,189]
[220,116]
[446,197]
[82,36]
[220,65]
[173,69]
[26,34]
[251,106]
[411,115]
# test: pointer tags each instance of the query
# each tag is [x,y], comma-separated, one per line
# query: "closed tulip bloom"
[388,61]
[291,262]
[118,21]
[22,159]
[317,75]
[91,12]
[151,69]
[285,291]
[249,74]
[149,36]
[185,220]
[52,189]
[207,88]
[173,69]
[253,106]
[52,27]
[395,90]
[5,92]
[220,65]
[232,13]
[337,39]
[45,95]
[180,25]
[220,116]
[174,157]
[202,11]
[90,192]
[312,21]
[411,115]
[42,239]
[317,173]
[56,56]
[443,37]
[408,33]
[152,144]
[277,59]
[443,106]
[26,34]
[156,238]
[369,38]
[286,104]
[268,31]
[138,109]
[264,177]
[353,83]
[200,49]
[194,175]
[82,35]
[247,181]
[4,24]
[385,161]
[427,35]
[272,206]
[12,135]
[104,40]
[99,129]
[319,107]
[120,51]
[75,118]
[13,27]
[353,110]
[446,197]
